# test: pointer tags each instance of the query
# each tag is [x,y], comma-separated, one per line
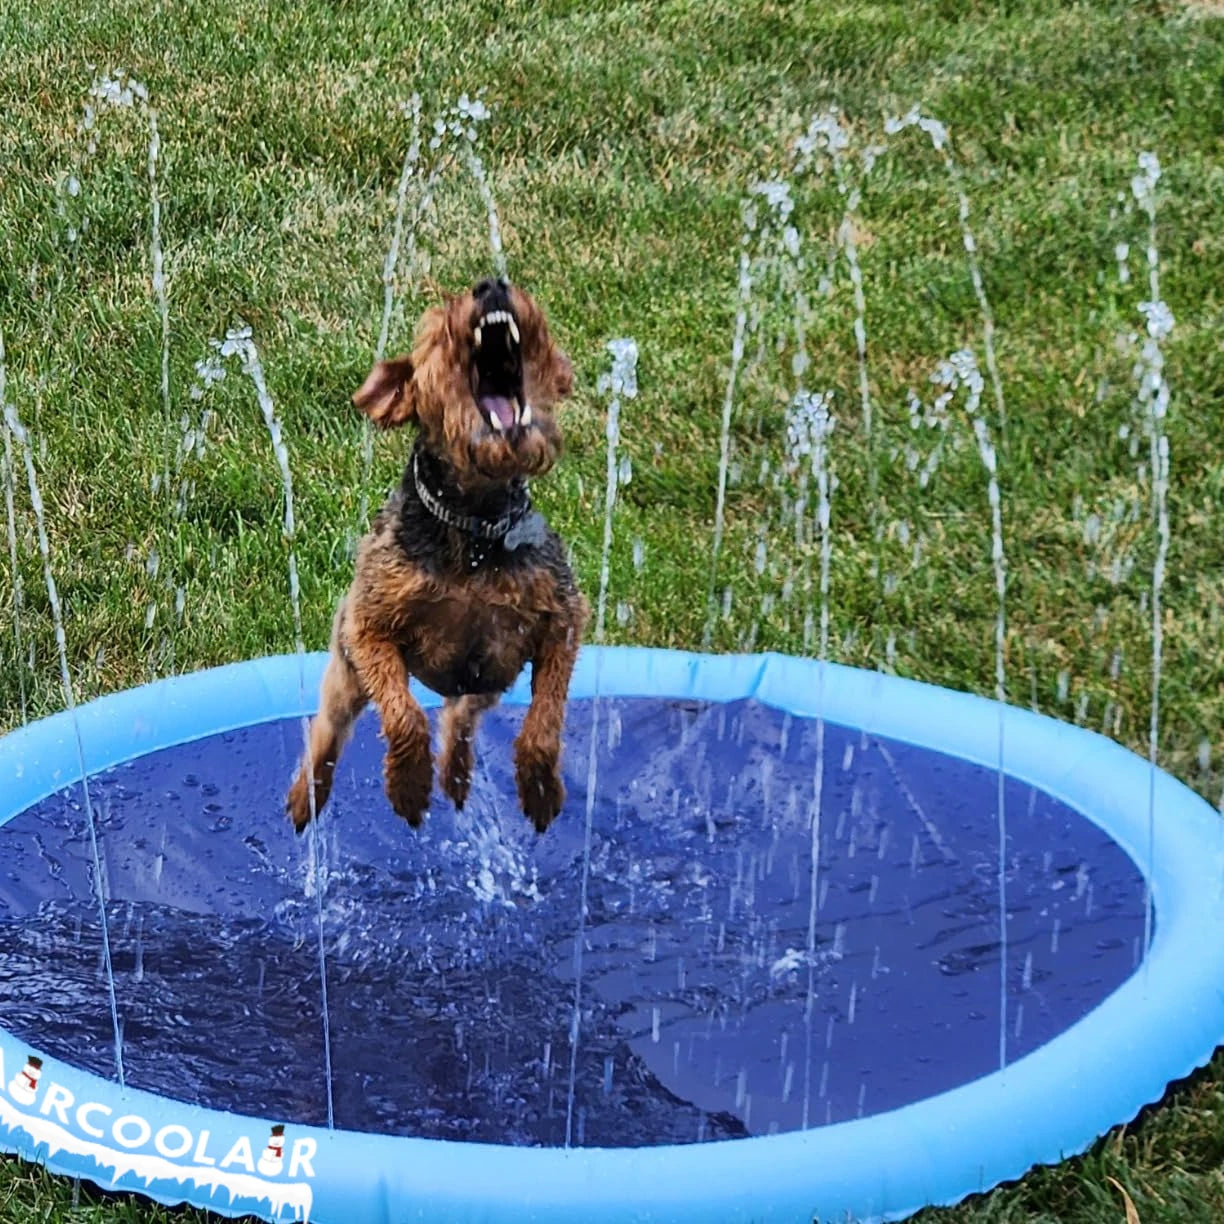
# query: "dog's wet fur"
[459,583]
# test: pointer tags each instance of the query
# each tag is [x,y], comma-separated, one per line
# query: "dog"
[460,582]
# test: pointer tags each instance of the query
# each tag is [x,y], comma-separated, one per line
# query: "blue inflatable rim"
[1163,1022]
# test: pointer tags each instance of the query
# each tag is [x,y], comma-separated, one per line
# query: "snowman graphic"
[23,1087]
[273,1158]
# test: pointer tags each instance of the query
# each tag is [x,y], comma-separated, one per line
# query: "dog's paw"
[298,801]
[455,770]
[541,791]
[408,779]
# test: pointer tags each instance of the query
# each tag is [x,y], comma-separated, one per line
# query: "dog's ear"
[387,396]
[563,374]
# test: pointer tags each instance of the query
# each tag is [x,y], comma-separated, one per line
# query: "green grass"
[621,144]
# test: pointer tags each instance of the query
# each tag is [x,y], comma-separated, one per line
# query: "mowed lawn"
[621,143]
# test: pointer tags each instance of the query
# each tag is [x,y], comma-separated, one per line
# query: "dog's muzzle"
[497,359]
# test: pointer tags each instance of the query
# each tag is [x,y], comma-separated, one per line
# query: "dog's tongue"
[500,407]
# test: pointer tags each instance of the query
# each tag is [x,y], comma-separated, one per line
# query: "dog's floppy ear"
[387,396]
[563,374]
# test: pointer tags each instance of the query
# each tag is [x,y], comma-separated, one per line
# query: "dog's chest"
[471,645]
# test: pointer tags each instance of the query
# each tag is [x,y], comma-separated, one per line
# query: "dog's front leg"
[341,699]
[537,751]
[407,767]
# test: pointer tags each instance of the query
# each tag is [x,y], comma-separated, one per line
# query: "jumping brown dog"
[459,582]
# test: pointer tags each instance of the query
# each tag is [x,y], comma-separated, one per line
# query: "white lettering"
[83,1113]
[162,1141]
[200,1157]
[303,1153]
[59,1099]
[143,1130]
[240,1153]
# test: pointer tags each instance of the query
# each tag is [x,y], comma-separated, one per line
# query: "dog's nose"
[499,288]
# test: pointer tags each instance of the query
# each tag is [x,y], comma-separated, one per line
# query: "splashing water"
[189,450]
[492,859]
[14,427]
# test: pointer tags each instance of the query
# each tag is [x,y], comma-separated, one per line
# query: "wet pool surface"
[705,1009]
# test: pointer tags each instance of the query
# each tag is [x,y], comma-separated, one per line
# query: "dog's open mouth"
[497,372]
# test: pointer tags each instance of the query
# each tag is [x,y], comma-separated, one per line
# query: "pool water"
[706,1010]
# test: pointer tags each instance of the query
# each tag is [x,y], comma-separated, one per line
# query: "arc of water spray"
[121,91]
[937,133]
[481,175]
[239,343]
[825,134]
[775,243]
[774,239]
[158,279]
[460,124]
[1152,398]
[15,427]
[411,158]
[10,514]
[620,382]
[724,444]
[10,518]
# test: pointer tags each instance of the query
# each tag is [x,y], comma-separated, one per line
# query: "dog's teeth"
[525,416]
[476,336]
[495,421]
[499,316]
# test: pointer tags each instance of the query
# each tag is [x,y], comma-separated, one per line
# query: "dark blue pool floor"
[450,951]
